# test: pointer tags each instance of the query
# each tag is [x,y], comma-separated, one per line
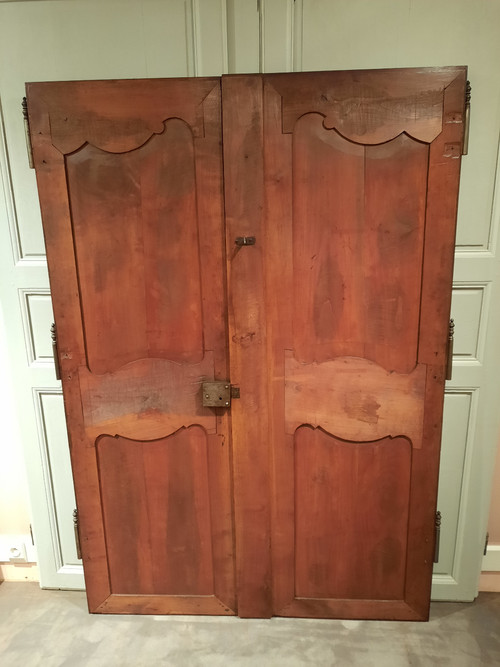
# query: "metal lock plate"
[216,394]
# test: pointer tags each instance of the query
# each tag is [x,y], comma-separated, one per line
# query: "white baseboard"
[491,562]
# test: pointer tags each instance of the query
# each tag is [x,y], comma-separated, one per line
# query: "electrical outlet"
[17,553]
[17,549]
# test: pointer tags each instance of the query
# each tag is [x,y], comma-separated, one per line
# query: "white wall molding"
[35,358]
[297,42]
[495,207]
[8,193]
[45,462]
[463,319]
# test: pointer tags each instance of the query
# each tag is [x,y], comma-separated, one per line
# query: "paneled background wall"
[88,39]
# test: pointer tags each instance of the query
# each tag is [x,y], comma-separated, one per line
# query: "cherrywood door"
[130,182]
[361,175]
[328,307]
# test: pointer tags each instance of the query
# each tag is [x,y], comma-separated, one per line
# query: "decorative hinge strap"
[437,535]
[55,351]
[449,360]
[76,526]
[27,133]
[465,145]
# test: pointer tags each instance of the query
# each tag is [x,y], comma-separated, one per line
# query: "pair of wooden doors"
[291,235]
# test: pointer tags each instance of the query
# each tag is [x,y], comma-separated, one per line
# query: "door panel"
[131,192]
[129,259]
[340,193]
[161,489]
[343,303]
[366,530]
[360,265]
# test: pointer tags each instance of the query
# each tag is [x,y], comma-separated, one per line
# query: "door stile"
[54,204]
[441,211]
[278,215]
[209,170]
[243,177]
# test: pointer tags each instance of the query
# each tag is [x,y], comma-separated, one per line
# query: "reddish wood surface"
[333,325]
[130,177]
[137,249]
[243,172]
[351,504]
[156,509]
[360,273]
[343,232]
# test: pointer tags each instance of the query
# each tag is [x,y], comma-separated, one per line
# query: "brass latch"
[449,360]
[76,526]
[218,394]
[437,536]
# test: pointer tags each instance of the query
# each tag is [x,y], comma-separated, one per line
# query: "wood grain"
[136,245]
[368,106]
[350,545]
[150,395]
[357,257]
[335,320]
[135,276]
[441,210]
[360,268]
[354,398]
[243,169]
[156,509]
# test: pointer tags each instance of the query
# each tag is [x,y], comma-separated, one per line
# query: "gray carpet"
[52,628]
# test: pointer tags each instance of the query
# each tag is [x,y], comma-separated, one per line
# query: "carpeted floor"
[52,628]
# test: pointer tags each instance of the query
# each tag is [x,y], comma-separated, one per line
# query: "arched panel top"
[331,437]
[150,396]
[370,107]
[115,116]
[354,398]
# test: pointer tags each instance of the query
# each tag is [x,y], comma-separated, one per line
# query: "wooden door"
[340,194]
[361,177]
[130,182]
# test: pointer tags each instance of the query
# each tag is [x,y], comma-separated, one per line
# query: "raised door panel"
[130,180]
[361,181]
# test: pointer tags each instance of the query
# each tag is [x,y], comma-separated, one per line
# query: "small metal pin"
[244,240]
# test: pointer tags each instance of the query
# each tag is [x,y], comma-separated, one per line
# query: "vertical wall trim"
[224,54]
[470,446]
[297,32]
[261,11]
[28,327]
[8,193]
[48,484]
[193,21]
[290,32]
[190,38]
[495,207]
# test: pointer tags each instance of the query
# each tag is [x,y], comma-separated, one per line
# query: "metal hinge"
[449,360]
[27,135]
[31,533]
[437,535]
[465,145]
[486,544]
[55,351]
[218,394]
[76,526]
